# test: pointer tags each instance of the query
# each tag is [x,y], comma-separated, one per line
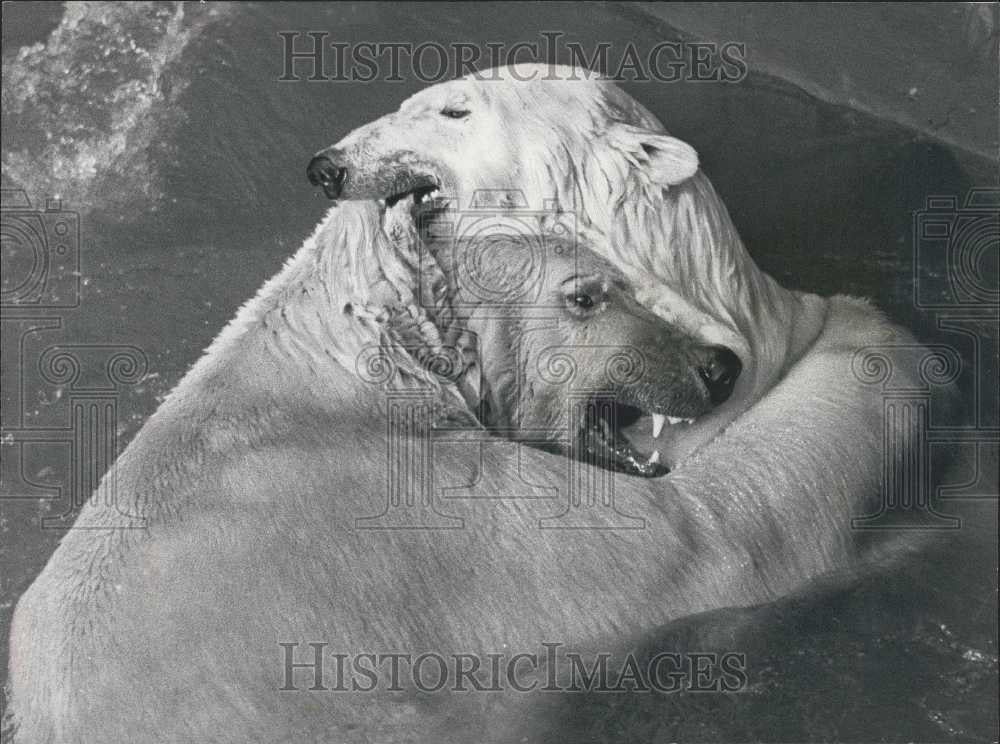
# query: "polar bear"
[548,142]
[613,337]
[268,480]
[262,480]
[563,136]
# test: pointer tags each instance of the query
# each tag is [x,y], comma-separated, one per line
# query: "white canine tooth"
[658,421]
[674,420]
[689,421]
[655,457]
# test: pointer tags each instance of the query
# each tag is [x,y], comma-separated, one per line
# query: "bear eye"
[585,296]
[455,113]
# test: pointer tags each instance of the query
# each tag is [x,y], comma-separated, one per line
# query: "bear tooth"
[655,457]
[658,420]
[674,420]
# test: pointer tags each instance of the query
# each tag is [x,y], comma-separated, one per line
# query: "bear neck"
[339,323]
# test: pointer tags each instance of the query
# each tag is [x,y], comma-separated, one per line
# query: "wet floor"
[185,160]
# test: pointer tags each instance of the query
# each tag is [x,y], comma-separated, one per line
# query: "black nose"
[719,372]
[324,172]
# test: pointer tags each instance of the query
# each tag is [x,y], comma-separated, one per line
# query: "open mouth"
[413,208]
[421,195]
[417,190]
[602,442]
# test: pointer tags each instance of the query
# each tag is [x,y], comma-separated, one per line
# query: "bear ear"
[666,160]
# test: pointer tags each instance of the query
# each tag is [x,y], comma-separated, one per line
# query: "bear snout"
[326,172]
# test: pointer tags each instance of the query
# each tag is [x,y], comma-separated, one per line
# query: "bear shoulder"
[853,323]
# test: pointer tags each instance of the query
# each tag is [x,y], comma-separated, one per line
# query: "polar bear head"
[568,359]
[552,143]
